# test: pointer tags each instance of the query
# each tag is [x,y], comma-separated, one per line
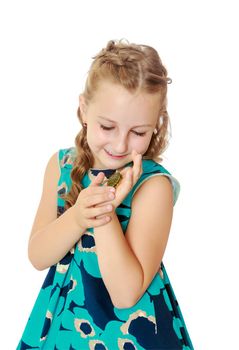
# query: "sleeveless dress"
[73,310]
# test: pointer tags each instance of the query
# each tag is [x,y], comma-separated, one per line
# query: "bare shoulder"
[152,205]
[47,209]
[152,187]
[52,173]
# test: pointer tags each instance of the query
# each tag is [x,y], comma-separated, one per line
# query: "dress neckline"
[107,172]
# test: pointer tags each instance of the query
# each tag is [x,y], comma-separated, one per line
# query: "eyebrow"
[112,121]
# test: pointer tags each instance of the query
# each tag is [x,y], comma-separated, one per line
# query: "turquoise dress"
[73,310]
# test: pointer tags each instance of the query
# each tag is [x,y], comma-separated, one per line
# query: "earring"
[155,131]
[85,125]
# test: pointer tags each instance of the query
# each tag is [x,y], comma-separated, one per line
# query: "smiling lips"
[115,157]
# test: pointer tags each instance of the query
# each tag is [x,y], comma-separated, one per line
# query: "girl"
[107,287]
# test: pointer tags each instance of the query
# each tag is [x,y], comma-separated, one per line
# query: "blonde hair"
[136,68]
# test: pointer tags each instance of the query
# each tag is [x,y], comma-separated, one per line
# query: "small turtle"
[114,179]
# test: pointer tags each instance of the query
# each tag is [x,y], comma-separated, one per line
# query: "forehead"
[113,101]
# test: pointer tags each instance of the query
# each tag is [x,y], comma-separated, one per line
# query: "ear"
[83,107]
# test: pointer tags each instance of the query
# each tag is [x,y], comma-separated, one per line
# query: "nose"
[120,145]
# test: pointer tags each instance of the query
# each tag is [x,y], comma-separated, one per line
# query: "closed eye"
[110,128]
[139,133]
[106,128]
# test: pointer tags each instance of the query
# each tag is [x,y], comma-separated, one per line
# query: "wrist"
[76,219]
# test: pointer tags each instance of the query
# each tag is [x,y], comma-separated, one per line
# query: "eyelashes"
[139,133]
[111,128]
[106,128]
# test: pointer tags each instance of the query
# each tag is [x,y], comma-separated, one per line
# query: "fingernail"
[112,189]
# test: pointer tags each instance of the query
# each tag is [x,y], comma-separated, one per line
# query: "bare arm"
[50,244]
[51,237]
[120,269]
[128,263]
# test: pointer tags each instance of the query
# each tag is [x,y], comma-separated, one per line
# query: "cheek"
[141,144]
[102,136]
[96,136]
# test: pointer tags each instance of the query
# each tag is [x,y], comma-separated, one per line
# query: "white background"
[46,50]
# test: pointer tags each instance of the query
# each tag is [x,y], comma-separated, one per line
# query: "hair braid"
[136,68]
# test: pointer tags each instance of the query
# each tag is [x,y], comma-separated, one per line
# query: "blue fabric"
[73,309]
[107,172]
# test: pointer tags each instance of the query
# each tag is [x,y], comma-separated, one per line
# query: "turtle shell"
[114,179]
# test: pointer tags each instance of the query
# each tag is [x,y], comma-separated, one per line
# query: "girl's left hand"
[130,176]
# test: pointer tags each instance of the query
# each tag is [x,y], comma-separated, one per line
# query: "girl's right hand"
[85,211]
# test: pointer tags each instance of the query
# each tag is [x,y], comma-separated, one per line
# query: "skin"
[91,207]
[126,111]
[93,204]
[125,115]
[134,257]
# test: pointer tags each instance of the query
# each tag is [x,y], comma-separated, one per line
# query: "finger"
[93,190]
[129,177]
[140,169]
[136,158]
[99,198]
[134,153]
[99,222]
[99,211]
[98,179]
[137,166]
[124,171]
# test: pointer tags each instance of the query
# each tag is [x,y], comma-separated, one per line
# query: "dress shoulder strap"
[66,157]
[151,168]
[65,161]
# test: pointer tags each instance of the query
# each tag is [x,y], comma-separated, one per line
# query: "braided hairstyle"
[136,68]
